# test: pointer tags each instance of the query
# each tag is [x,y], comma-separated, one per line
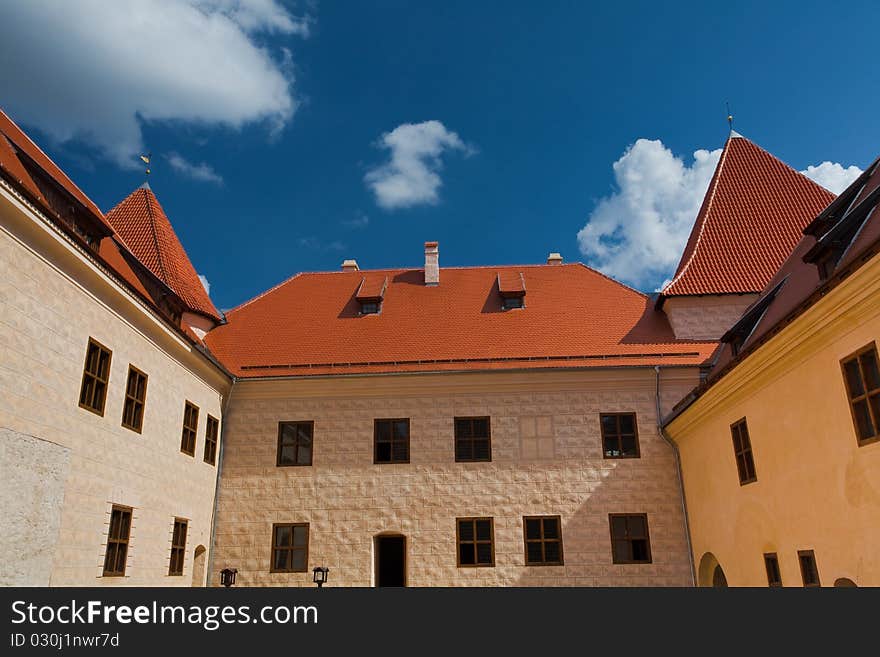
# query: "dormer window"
[512,287]
[371,293]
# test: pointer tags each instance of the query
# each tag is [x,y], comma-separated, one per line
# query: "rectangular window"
[543,539]
[117,541]
[473,440]
[391,441]
[771,563]
[290,548]
[190,427]
[96,373]
[295,443]
[135,398]
[862,376]
[178,547]
[809,571]
[211,431]
[630,542]
[742,450]
[620,435]
[476,541]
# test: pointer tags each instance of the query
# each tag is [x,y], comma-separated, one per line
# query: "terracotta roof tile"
[372,287]
[752,217]
[511,283]
[576,317]
[141,222]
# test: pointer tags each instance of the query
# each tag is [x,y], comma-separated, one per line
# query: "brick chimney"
[554,259]
[432,263]
[350,265]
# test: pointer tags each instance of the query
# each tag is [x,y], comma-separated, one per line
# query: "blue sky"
[287,137]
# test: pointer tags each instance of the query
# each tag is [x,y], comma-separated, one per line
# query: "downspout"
[222,442]
[668,440]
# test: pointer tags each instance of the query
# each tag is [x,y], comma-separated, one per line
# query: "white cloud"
[202,172]
[360,220]
[637,233]
[412,176]
[205,283]
[96,70]
[832,176]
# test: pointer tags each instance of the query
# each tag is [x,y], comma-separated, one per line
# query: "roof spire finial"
[146,160]
[729,117]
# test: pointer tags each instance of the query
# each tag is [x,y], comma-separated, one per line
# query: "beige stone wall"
[546,460]
[707,317]
[816,488]
[33,474]
[51,301]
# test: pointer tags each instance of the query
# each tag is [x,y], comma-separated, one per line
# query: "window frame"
[117,541]
[194,429]
[290,548]
[773,558]
[281,424]
[866,395]
[212,441]
[472,440]
[376,441]
[96,378]
[743,450]
[629,539]
[134,400]
[474,542]
[811,555]
[178,550]
[542,540]
[619,436]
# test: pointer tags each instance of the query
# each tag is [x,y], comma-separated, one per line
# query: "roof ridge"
[159,258]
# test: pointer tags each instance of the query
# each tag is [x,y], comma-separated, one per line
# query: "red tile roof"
[750,220]
[141,222]
[372,287]
[511,283]
[10,162]
[576,317]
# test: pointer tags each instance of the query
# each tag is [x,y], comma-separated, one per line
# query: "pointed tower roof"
[752,217]
[144,227]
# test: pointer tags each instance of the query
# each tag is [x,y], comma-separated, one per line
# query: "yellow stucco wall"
[51,301]
[546,460]
[816,488]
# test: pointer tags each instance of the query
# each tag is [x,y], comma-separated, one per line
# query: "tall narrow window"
[190,427]
[211,430]
[543,539]
[476,541]
[771,563]
[96,373]
[809,571]
[178,547]
[862,376]
[391,441]
[620,435]
[742,451]
[473,440]
[117,541]
[295,443]
[135,398]
[630,542]
[290,548]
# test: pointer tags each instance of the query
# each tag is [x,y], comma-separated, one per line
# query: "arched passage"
[198,578]
[710,572]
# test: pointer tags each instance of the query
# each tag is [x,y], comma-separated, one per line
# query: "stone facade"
[546,460]
[705,317]
[53,298]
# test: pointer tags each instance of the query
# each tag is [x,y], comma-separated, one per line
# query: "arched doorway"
[198,578]
[389,553]
[711,573]
[844,582]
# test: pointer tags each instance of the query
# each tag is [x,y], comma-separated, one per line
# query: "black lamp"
[320,574]
[227,576]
